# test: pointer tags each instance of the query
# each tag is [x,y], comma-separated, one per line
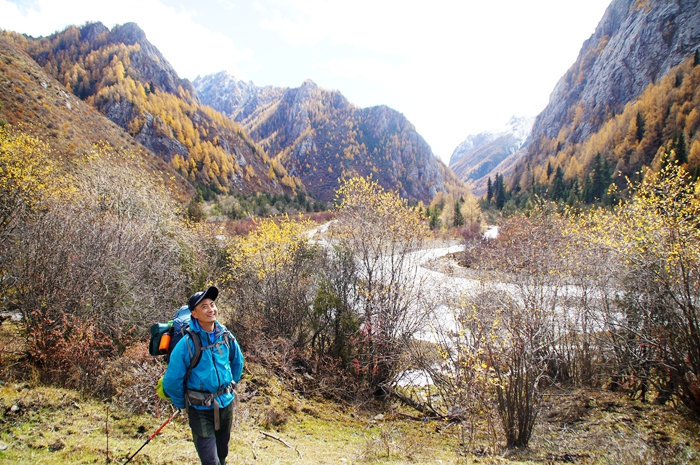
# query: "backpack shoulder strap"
[228,337]
[197,355]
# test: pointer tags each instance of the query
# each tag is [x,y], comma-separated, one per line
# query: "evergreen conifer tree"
[557,191]
[500,192]
[434,215]
[640,127]
[587,191]
[601,177]
[680,148]
[458,217]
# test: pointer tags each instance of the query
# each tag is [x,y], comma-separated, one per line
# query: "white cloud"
[188,46]
[453,67]
[445,64]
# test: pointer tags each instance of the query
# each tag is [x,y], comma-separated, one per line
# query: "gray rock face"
[150,65]
[479,155]
[232,97]
[635,43]
[320,136]
[165,147]
[413,162]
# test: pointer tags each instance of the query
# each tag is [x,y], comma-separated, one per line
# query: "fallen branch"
[255,456]
[422,408]
[272,436]
[414,418]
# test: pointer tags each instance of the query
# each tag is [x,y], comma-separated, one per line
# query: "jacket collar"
[218,329]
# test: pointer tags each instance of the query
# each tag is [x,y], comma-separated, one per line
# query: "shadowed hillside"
[127,79]
[318,136]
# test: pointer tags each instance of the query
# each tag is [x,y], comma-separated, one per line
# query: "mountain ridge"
[314,137]
[636,44]
[128,80]
[630,97]
[483,155]
[319,136]
[34,102]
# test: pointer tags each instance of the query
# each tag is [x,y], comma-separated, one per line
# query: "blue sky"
[453,68]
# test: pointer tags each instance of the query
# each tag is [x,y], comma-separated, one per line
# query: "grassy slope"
[60,427]
[57,426]
[47,425]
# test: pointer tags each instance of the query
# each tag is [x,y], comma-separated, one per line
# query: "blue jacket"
[213,373]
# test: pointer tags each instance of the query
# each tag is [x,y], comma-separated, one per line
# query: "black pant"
[211,445]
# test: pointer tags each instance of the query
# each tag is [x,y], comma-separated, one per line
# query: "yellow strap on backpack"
[159,389]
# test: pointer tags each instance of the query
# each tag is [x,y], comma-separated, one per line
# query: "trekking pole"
[153,435]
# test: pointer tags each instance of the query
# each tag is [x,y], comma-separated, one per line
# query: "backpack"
[165,336]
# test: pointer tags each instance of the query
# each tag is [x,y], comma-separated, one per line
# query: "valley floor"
[48,425]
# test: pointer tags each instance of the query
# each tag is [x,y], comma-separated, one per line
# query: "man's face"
[205,311]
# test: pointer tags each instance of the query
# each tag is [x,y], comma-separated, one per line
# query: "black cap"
[211,293]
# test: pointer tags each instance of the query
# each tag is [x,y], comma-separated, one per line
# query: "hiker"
[206,389]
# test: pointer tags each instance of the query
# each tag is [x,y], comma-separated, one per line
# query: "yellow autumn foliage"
[29,173]
[659,226]
[269,248]
[368,211]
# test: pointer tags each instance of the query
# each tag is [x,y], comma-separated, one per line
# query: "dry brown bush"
[129,380]
[94,267]
[67,350]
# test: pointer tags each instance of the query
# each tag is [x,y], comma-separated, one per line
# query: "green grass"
[48,425]
[45,425]
[56,426]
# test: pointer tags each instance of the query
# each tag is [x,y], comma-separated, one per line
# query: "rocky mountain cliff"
[129,81]
[630,97]
[475,159]
[318,136]
[635,44]
[236,99]
[36,103]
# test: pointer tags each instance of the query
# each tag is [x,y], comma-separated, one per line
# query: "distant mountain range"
[318,136]
[631,95]
[227,136]
[476,158]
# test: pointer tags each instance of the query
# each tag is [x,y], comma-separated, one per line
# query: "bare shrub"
[98,265]
[654,327]
[382,232]
[274,418]
[501,348]
[128,380]
[69,351]
[469,232]
[388,444]
[108,255]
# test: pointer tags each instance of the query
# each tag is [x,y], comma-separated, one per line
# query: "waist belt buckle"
[197,398]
